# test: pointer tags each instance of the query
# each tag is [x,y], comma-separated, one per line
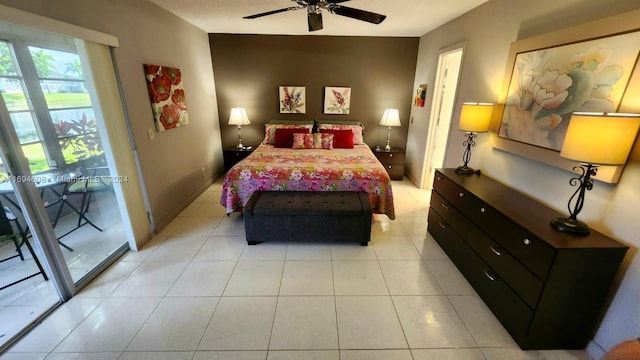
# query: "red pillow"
[284,137]
[341,138]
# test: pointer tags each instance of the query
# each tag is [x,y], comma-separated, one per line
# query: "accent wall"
[250,68]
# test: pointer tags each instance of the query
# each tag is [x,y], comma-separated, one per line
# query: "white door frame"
[442,108]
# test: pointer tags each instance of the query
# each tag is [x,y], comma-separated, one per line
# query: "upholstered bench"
[336,216]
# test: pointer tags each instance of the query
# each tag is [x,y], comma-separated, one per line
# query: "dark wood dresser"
[546,287]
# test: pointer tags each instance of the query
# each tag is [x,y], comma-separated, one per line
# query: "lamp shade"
[475,117]
[391,117]
[600,138]
[238,116]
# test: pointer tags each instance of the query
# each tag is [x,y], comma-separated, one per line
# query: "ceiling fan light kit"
[314,14]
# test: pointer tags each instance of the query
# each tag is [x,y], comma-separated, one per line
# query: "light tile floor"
[23,303]
[198,292]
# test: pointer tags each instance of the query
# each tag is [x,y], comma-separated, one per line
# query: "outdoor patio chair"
[8,225]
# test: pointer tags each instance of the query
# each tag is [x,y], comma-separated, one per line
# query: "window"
[50,108]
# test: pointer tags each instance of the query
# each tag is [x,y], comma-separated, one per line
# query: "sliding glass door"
[62,217]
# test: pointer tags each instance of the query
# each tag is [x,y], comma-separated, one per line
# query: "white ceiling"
[404,17]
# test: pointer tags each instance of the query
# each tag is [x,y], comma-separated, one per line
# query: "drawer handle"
[489,276]
[483,210]
[389,166]
[390,155]
[442,225]
[445,206]
[461,194]
[495,251]
[527,242]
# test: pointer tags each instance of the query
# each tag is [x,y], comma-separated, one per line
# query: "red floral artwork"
[169,116]
[161,88]
[167,96]
[178,99]
[173,74]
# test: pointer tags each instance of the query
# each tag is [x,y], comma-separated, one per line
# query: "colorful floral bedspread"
[283,169]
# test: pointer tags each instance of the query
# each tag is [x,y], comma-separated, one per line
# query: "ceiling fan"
[314,15]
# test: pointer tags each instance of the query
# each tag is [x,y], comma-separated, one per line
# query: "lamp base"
[240,146]
[570,225]
[465,170]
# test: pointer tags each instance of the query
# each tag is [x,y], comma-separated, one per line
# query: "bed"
[272,168]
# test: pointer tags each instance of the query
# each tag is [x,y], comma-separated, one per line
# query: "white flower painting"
[548,85]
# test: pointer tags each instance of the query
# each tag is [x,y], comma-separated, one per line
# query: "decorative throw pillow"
[284,137]
[312,141]
[270,131]
[342,139]
[357,131]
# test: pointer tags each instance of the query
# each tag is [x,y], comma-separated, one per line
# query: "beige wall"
[249,69]
[171,163]
[612,209]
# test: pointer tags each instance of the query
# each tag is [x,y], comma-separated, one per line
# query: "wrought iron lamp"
[239,117]
[391,117]
[474,118]
[594,139]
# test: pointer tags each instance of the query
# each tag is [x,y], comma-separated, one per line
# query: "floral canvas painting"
[547,85]
[337,100]
[167,97]
[292,100]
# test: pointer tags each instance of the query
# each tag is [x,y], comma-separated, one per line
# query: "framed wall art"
[590,67]
[421,95]
[166,93]
[292,100]
[337,100]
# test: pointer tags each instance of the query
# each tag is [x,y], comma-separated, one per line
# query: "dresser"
[549,289]
[393,161]
[232,155]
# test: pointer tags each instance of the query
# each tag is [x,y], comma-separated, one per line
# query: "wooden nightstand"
[393,161]
[232,155]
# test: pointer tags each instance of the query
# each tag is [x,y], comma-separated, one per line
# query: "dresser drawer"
[448,240]
[511,311]
[390,157]
[449,214]
[232,156]
[525,247]
[396,172]
[459,197]
[518,277]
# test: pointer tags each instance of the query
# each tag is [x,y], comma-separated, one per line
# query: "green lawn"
[34,152]
[54,101]
[38,160]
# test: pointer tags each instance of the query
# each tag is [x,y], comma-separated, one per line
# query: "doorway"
[447,77]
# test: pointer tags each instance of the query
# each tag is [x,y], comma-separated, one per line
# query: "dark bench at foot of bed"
[336,216]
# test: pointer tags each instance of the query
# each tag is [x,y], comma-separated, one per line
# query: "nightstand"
[393,161]
[232,155]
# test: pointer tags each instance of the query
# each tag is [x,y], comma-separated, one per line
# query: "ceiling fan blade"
[336,1]
[357,14]
[315,21]
[273,12]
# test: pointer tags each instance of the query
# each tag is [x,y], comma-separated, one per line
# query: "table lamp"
[390,118]
[594,139]
[239,117]
[474,118]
